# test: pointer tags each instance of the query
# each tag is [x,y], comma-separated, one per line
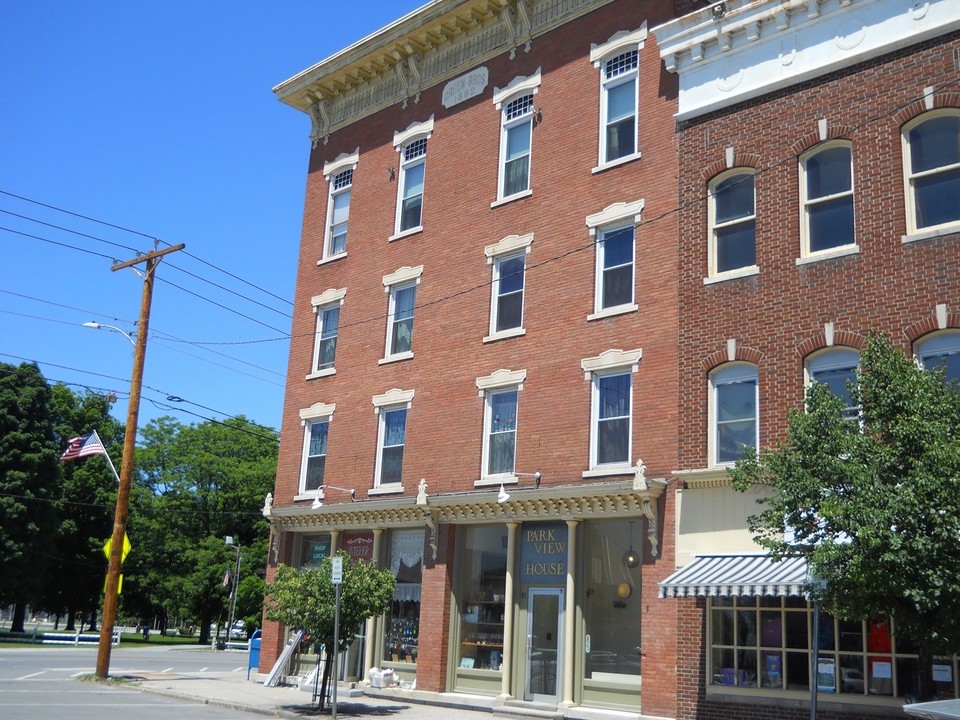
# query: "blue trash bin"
[253,657]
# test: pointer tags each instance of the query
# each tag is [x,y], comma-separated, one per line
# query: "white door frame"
[540,668]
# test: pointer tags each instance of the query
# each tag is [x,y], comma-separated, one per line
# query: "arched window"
[732,222]
[826,188]
[931,154]
[734,416]
[836,368]
[941,350]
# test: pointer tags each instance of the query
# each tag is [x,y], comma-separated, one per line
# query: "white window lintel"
[328,297]
[520,85]
[617,43]
[402,275]
[509,244]
[611,359]
[342,162]
[617,212]
[502,378]
[317,411]
[414,131]
[394,396]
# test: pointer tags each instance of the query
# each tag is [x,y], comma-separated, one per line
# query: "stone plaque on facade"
[465,87]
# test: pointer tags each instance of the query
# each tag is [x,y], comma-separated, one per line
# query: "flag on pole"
[82,447]
[226,578]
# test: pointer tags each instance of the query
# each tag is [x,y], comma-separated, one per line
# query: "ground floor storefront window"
[765,643]
[402,630]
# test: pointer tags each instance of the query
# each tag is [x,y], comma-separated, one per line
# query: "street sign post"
[336,576]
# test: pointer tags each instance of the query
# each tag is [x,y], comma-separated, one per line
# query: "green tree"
[305,600]
[875,505]
[28,479]
[85,500]
[200,483]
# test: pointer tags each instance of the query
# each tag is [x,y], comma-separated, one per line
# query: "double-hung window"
[733,413]
[392,409]
[733,222]
[402,289]
[327,309]
[515,103]
[618,60]
[837,369]
[339,175]
[941,351]
[611,409]
[501,393]
[316,424]
[412,146]
[931,149]
[508,258]
[614,231]
[826,184]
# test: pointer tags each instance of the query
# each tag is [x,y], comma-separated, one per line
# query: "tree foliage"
[28,481]
[305,599]
[874,506]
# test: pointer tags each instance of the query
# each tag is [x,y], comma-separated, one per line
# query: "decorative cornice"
[531,504]
[736,50]
[500,379]
[609,359]
[428,46]
[704,477]
[318,410]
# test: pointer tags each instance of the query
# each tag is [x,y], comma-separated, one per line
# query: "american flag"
[226,578]
[83,446]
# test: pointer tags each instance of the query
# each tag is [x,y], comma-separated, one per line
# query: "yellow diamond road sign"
[126,547]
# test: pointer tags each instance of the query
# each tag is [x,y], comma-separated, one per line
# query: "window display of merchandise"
[482,636]
[401,640]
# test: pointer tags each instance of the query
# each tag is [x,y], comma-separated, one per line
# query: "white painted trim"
[520,85]
[328,297]
[317,411]
[396,357]
[615,213]
[414,131]
[613,311]
[394,396]
[510,198]
[603,167]
[402,275]
[501,378]
[836,252]
[326,372]
[611,359]
[733,275]
[508,245]
[505,334]
[405,233]
[341,163]
[618,43]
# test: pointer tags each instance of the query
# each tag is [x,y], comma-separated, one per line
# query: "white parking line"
[26,677]
[166,670]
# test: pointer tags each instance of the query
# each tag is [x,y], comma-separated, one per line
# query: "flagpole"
[107,456]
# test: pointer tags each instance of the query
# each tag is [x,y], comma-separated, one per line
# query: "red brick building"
[819,148]
[482,390]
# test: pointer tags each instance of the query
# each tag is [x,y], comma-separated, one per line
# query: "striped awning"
[729,575]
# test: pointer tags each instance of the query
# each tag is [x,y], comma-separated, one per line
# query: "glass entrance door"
[544,644]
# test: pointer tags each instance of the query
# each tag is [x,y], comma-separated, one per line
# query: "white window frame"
[715,227]
[313,415]
[508,248]
[489,386]
[518,89]
[808,205]
[914,231]
[607,364]
[834,358]
[600,55]
[335,173]
[322,303]
[730,374]
[609,220]
[390,401]
[409,140]
[402,279]
[946,342]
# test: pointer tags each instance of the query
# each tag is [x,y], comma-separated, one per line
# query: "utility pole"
[126,464]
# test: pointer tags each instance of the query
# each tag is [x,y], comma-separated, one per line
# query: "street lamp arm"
[100,326]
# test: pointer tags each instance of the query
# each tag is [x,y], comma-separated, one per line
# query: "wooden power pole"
[126,464]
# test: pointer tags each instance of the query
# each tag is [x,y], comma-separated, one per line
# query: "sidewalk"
[233,690]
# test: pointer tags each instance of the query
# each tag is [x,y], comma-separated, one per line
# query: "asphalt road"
[42,684]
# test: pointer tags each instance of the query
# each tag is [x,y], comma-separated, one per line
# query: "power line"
[73,232]
[55,242]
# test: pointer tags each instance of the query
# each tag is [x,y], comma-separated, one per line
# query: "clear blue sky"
[158,117]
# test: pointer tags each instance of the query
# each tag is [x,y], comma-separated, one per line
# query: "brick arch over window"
[941,100]
[743,353]
[740,160]
[841,339]
[812,139]
[930,324]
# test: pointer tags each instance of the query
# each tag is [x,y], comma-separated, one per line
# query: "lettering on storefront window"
[543,554]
